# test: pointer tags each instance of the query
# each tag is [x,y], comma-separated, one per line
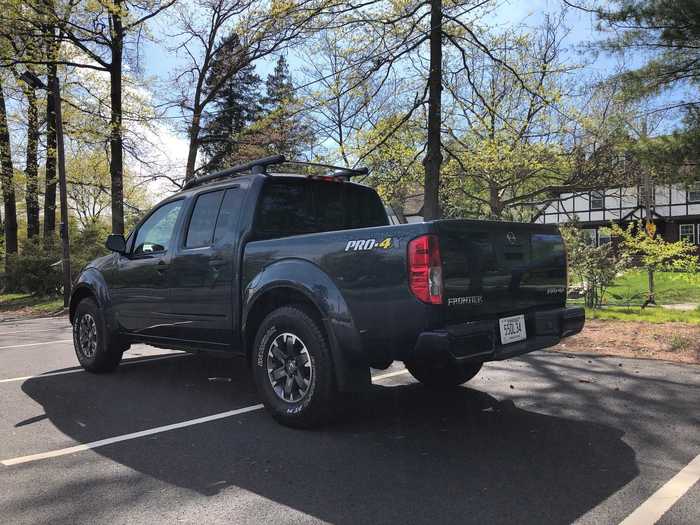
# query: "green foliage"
[655,253]
[648,315]
[88,244]
[237,103]
[669,288]
[280,129]
[34,270]
[669,33]
[596,267]
[394,160]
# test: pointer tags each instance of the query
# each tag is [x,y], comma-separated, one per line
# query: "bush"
[86,245]
[34,270]
[594,266]
[37,268]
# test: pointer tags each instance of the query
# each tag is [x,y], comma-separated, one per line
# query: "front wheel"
[96,350]
[292,368]
[444,375]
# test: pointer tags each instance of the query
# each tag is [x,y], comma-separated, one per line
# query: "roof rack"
[256,166]
[260,166]
[338,171]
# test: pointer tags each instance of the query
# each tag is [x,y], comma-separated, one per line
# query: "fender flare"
[349,359]
[92,283]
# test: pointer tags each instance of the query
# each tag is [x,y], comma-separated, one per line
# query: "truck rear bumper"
[480,341]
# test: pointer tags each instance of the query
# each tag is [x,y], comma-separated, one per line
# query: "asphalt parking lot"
[169,437]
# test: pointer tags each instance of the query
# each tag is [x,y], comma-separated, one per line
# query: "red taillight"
[425,269]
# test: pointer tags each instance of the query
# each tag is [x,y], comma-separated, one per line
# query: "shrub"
[596,267]
[34,270]
[37,268]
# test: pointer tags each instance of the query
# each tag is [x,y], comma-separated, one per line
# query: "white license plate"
[512,329]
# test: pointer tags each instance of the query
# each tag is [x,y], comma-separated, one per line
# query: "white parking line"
[37,344]
[131,361]
[34,331]
[151,431]
[663,499]
[126,437]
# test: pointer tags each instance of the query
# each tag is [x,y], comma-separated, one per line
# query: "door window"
[201,229]
[228,215]
[154,234]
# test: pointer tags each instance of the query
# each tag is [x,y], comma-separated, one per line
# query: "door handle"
[162,267]
[216,263]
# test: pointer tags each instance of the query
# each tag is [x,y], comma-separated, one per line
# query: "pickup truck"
[304,275]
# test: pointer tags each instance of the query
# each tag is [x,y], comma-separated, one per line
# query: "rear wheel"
[96,350]
[443,375]
[292,368]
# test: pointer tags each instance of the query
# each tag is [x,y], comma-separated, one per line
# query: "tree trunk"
[32,170]
[194,144]
[433,158]
[8,185]
[495,203]
[51,180]
[116,164]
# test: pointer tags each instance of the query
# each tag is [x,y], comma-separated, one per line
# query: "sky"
[159,63]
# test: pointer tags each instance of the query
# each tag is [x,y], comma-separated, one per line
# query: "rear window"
[292,207]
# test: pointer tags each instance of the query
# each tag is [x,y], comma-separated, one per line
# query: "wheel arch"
[81,292]
[300,282]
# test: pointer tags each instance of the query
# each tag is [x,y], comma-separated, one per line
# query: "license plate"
[512,329]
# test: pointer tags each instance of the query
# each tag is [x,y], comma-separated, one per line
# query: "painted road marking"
[34,331]
[149,432]
[663,499]
[37,344]
[126,437]
[131,361]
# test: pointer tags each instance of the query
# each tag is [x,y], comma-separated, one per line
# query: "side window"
[694,192]
[154,235]
[284,209]
[687,233]
[200,231]
[228,215]
[597,200]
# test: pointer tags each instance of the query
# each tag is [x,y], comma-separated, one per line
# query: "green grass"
[670,288]
[648,315]
[29,304]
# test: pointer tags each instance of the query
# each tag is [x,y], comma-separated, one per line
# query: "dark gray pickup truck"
[305,276]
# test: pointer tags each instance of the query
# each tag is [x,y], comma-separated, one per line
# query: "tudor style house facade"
[675,210]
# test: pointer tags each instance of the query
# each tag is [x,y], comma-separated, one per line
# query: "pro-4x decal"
[369,244]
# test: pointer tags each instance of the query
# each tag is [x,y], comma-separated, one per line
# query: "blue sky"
[159,62]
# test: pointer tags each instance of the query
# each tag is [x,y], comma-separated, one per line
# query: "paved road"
[547,438]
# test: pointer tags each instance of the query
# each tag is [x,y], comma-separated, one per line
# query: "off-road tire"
[316,405]
[105,353]
[442,376]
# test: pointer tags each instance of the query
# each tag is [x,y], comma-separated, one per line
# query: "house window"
[596,199]
[603,236]
[687,233]
[694,192]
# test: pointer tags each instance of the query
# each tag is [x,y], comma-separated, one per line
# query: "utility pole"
[54,91]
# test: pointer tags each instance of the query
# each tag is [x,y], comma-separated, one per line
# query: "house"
[675,210]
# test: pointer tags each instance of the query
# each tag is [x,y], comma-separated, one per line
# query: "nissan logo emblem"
[512,239]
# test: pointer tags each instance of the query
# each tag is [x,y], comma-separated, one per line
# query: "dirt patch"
[29,312]
[679,342]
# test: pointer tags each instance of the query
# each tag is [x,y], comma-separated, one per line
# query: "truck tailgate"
[492,269]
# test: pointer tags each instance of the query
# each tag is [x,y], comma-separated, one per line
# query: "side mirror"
[116,243]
